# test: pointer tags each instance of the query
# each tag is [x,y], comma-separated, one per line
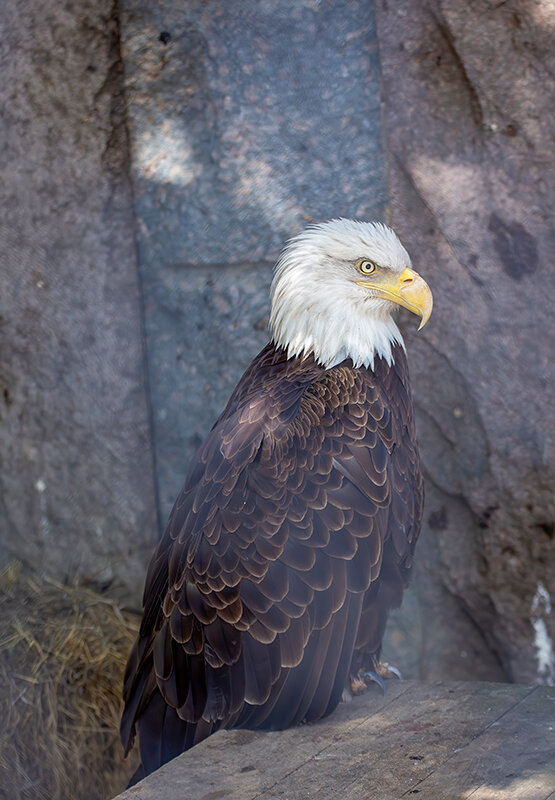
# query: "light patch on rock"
[541,608]
[262,187]
[40,486]
[166,155]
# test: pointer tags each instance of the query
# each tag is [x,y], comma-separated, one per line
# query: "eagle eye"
[366,267]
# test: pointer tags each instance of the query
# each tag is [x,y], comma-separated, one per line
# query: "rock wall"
[468,97]
[76,481]
[246,121]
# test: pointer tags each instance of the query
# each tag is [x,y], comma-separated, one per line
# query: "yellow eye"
[366,267]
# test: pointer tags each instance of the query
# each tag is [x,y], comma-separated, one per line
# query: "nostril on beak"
[407,281]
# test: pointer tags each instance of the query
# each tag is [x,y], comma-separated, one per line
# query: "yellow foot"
[385,670]
[358,684]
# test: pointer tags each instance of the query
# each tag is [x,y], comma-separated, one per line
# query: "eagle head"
[335,291]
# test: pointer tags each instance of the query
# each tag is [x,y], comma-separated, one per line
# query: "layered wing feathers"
[306,487]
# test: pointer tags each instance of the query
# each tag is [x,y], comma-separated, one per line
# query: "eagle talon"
[387,670]
[375,678]
[390,669]
[358,683]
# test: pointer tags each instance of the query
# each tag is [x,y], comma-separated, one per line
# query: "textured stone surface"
[205,325]
[247,120]
[469,130]
[76,488]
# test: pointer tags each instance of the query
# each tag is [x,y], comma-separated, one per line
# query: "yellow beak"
[409,290]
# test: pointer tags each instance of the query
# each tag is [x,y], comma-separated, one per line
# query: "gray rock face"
[76,488]
[247,120]
[205,325]
[469,134]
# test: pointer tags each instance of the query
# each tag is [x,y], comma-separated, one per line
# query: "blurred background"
[155,157]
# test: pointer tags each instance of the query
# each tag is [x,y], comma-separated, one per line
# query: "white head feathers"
[317,305]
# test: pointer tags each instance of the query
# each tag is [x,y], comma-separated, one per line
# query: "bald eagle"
[295,531]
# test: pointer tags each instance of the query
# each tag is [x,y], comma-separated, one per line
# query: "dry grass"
[62,656]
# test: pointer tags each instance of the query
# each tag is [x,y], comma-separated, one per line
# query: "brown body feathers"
[290,542]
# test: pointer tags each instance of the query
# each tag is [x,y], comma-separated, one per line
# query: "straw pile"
[62,656]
